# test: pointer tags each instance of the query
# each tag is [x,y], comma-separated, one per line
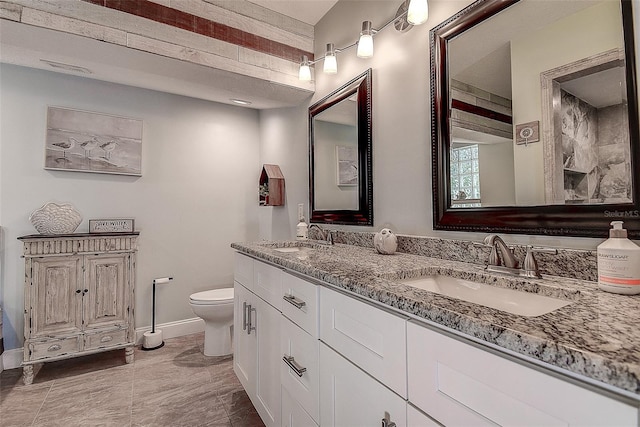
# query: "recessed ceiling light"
[68,67]
[240,101]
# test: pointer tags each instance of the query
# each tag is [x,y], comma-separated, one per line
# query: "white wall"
[284,141]
[197,194]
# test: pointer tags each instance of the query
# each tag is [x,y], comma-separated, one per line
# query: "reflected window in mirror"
[340,155]
[548,92]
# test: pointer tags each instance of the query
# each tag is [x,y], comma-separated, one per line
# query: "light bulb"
[365,44]
[330,61]
[304,74]
[418,12]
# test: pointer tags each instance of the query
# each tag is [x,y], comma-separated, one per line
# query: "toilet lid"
[214,296]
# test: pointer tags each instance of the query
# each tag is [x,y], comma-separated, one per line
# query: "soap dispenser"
[302,230]
[619,262]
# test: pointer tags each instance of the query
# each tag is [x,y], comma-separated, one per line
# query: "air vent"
[67,67]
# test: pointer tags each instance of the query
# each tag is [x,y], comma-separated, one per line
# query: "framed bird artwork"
[84,141]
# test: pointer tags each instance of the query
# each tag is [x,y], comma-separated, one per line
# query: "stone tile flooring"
[174,386]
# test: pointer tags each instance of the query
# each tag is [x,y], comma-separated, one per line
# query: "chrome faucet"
[505,256]
[502,259]
[325,234]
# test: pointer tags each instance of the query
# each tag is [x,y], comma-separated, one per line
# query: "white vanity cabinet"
[363,370]
[78,296]
[459,384]
[257,337]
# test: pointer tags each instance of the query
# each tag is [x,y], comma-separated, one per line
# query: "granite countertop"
[597,336]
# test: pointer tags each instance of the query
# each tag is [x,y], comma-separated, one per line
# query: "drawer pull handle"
[290,361]
[55,347]
[297,303]
[106,338]
[244,316]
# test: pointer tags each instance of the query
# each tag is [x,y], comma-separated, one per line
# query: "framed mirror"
[340,155]
[535,118]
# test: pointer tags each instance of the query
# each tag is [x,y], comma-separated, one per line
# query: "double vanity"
[404,339]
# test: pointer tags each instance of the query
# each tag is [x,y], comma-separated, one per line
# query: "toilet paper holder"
[152,340]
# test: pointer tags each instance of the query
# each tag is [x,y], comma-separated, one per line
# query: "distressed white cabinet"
[257,338]
[459,384]
[78,296]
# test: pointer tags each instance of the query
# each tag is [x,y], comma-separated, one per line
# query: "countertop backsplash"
[570,263]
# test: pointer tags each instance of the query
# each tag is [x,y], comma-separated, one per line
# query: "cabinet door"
[459,385]
[300,374]
[371,338]
[293,415]
[106,300]
[56,306]
[244,340]
[350,397]
[267,398]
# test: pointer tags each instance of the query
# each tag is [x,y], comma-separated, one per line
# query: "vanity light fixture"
[304,74]
[365,43]
[410,13]
[418,12]
[330,60]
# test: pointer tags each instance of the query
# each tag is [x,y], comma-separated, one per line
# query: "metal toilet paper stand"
[153,340]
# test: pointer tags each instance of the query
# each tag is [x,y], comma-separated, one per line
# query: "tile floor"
[174,386]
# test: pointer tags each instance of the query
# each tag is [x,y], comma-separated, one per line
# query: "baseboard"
[174,329]
[12,359]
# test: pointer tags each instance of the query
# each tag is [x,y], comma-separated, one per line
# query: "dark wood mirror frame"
[554,220]
[362,86]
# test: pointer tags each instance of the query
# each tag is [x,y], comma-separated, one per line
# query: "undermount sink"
[294,246]
[516,302]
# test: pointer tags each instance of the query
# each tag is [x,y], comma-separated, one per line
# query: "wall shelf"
[271,186]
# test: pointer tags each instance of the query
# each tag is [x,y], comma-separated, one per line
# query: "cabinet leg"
[128,354]
[27,374]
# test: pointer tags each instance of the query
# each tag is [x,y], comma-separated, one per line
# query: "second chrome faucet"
[502,259]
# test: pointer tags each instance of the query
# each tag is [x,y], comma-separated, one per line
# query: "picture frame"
[117,225]
[527,133]
[346,166]
[86,141]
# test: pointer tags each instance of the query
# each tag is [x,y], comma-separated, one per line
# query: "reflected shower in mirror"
[535,117]
[340,162]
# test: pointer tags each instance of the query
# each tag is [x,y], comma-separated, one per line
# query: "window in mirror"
[465,176]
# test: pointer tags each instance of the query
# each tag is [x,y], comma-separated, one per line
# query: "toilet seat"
[212,297]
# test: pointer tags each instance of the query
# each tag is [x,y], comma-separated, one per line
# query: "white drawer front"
[54,347]
[300,303]
[371,338]
[105,339]
[351,398]
[459,384]
[416,418]
[243,270]
[301,349]
[267,283]
[292,413]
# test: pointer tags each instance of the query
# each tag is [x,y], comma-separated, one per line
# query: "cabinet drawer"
[460,384]
[350,397]
[266,283]
[300,303]
[292,413]
[54,347]
[105,339]
[243,270]
[373,339]
[301,349]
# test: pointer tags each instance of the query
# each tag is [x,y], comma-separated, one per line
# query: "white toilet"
[215,307]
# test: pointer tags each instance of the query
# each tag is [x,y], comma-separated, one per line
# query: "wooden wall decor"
[271,186]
